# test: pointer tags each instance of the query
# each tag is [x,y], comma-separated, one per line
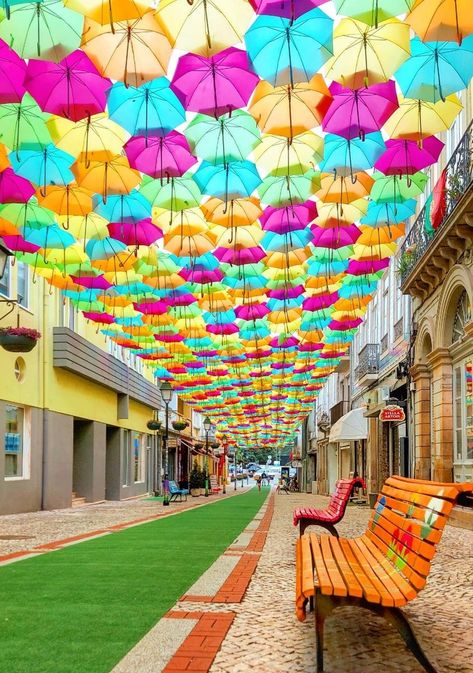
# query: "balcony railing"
[338,410]
[459,177]
[368,360]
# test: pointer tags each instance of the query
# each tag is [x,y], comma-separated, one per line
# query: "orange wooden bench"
[383,569]
[334,513]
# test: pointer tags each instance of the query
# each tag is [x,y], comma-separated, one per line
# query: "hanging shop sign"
[392,413]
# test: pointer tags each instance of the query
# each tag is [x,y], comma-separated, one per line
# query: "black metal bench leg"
[323,606]
[398,619]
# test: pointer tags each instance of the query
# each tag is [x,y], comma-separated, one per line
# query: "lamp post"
[207,426]
[235,466]
[166,393]
[224,466]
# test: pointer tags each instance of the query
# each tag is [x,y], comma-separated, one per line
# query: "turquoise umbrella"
[346,157]
[231,180]
[48,166]
[231,137]
[380,213]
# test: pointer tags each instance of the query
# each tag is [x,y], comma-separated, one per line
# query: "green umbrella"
[231,137]
[373,11]
[44,29]
[177,194]
[27,216]
[288,189]
[23,125]
[397,189]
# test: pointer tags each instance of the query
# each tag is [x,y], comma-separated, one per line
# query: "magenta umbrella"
[289,9]
[92,282]
[367,267]
[12,75]
[289,218]
[404,157]
[251,311]
[335,237]
[239,257]
[19,244]
[14,188]
[72,88]
[287,292]
[201,276]
[225,328]
[320,301]
[358,112]
[105,318]
[214,85]
[160,157]
[152,307]
[143,232]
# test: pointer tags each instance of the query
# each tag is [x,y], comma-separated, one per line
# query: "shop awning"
[350,427]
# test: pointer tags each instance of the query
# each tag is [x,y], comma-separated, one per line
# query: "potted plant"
[180,425]
[194,480]
[153,424]
[18,339]
[215,445]
[198,446]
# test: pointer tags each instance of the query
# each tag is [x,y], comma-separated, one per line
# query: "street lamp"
[224,466]
[166,394]
[207,426]
[235,467]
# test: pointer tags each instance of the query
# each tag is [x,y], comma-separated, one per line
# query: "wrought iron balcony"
[368,362]
[459,178]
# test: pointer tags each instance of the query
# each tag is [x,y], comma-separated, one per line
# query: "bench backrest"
[341,495]
[173,487]
[408,521]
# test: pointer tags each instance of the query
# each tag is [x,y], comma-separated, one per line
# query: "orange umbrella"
[4,163]
[123,261]
[441,20]
[66,200]
[236,213]
[288,111]
[344,189]
[189,240]
[281,260]
[113,176]
[108,11]
[383,234]
[135,52]
[7,228]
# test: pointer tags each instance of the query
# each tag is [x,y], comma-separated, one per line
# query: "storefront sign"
[392,413]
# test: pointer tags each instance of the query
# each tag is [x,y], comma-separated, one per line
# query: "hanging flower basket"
[215,445]
[153,425]
[198,446]
[179,425]
[18,339]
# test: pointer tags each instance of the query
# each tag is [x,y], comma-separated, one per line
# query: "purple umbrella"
[214,85]
[72,88]
[12,75]
[320,301]
[404,157]
[160,157]
[143,232]
[289,218]
[287,292]
[289,9]
[14,188]
[358,112]
[239,257]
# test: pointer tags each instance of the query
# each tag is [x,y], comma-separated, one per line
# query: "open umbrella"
[109,11]
[436,69]
[72,88]
[43,29]
[151,109]
[12,75]
[48,166]
[204,26]
[345,157]
[175,194]
[358,112]
[135,233]
[288,111]
[448,20]
[113,176]
[416,119]
[214,85]
[231,137]
[287,51]
[14,188]
[69,200]
[160,157]
[135,52]
[289,9]
[397,189]
[403,157]
[366,55]
[280,155]
[373,11]
[23,123]
[344,189]
[227,181]
[288,189]
[238,212]
[131,207]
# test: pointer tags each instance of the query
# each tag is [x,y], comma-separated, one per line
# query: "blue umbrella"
[50,237]
[151,109]
[380,213]
[232,180]
[104,248]
[299,238]
[436,69]
[48,166]
[346,157]
[131,207]
[286,52]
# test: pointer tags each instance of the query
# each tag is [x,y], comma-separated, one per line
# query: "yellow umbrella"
[280,273]
[86,226]
[113,176]
[108,11]
[339,215]
[135,52]
[416,119]
[204,26]
[284,260]
[441,20]
[74,254]
[242,237]
[234,213]
[165,219]
[96,137]
[365,55]
[280,156]
[378,251]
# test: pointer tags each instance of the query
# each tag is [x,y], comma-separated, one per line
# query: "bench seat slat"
[349,577]
[339,586]
[404,586]
[322,579]
[386,598]
[370,592]
[391,592]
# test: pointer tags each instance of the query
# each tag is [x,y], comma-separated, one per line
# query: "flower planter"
[179,425]
[153,425]
[16,343]
[195,492]
[198,446]
[215,445]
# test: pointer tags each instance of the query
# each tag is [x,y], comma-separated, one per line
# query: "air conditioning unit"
[385,393]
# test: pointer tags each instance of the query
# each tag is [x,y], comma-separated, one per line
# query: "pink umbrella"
[251,311]
[227,328]
[214,85]
[92,282]
[404,157]
[104,318]
[14,188]
[12,75]
[357,112]
[287,292]
[310,347]
[143,232]
[160,157]
[72,88]
[240,257]
[284,342]
[320,301]
[287,219]
[345,325]
[18,244]
[152,307]
[335,237]
[365,268]
[202,276]
[289,9]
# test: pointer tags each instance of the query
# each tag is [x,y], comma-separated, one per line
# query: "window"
[463,420]
[22,287]
[126,458]
[461,318]
[5,281]
[16,439]
[138,457]
[72,316]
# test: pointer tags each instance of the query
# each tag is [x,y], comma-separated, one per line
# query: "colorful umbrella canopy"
[12,75]
[449,20]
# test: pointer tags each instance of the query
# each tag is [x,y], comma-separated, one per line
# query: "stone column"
[440,361]
[421,375]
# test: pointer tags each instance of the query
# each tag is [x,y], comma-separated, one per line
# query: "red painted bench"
[327,518]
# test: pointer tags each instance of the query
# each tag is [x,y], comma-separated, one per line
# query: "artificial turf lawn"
[82,608]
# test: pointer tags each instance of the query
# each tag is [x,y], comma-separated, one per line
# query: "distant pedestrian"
[264,478]
[258,480]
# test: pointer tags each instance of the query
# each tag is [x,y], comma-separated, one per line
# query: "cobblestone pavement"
[20,532]
[266,637]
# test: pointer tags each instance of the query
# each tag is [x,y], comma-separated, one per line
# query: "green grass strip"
[82,608]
